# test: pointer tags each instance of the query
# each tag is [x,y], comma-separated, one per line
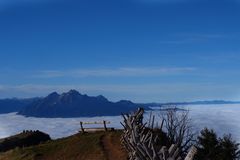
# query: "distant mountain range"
[189,103]
[74,104]
[14,104]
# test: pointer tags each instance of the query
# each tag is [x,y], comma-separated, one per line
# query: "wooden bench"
[83,130]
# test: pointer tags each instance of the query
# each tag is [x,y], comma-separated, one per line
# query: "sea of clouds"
[223,119]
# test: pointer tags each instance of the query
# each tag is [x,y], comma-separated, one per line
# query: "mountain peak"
[53,94]
[73,92]
[101,97]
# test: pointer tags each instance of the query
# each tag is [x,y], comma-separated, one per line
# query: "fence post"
[82,129]
[105,126]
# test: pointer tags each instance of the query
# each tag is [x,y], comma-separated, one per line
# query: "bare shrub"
[178,127]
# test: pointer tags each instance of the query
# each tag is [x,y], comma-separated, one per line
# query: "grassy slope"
[90,146]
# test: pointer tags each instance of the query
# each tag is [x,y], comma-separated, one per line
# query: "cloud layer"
[117,72]
[196,38]
[222,118]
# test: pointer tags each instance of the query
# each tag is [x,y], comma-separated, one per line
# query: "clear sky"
[142,50]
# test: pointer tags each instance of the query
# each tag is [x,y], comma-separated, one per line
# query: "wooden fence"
[83,130]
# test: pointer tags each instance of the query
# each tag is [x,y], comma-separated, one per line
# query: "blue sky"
[142,50]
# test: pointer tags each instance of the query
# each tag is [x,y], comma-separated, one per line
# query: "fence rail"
[83,130]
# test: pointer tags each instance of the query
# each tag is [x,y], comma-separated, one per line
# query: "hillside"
[74,104]
[90,146]
[24,139]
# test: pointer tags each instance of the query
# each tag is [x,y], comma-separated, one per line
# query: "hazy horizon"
[61,92]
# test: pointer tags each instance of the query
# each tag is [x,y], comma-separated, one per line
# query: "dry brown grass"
[89,146]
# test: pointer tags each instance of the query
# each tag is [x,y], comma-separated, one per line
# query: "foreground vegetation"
[174,139]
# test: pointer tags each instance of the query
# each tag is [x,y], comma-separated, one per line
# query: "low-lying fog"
[222,118]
